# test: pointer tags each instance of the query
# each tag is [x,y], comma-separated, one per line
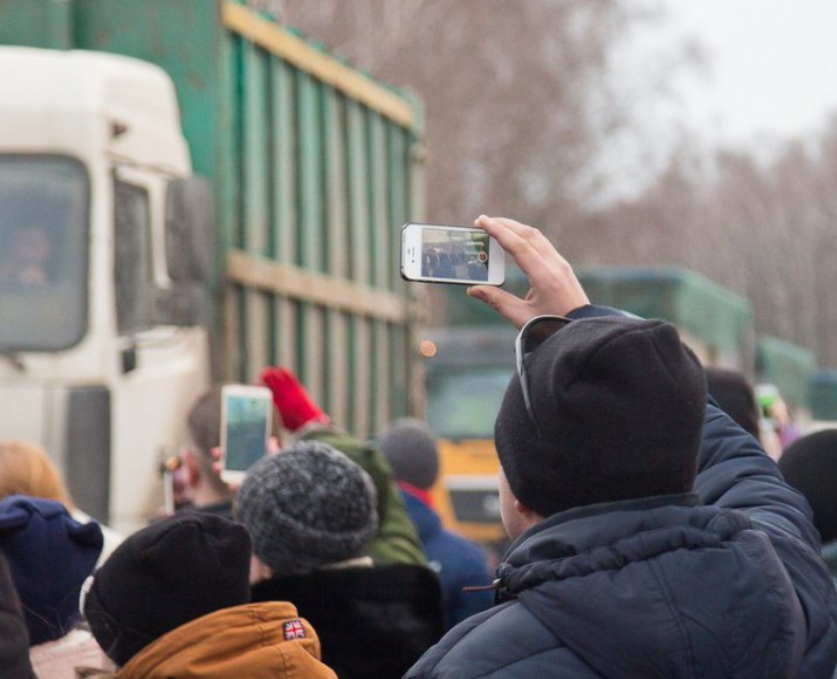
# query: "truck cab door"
[161,367]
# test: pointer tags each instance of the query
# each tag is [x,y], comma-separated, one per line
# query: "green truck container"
[787,366]
[313,167]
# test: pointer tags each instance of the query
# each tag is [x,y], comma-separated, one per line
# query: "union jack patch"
[293,629]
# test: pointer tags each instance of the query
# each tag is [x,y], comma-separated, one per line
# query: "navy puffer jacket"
[726,582]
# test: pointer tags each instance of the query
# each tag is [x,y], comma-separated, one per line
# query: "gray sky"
[772,67]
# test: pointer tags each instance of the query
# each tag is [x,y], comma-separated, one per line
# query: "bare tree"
[763,229]
[518,99]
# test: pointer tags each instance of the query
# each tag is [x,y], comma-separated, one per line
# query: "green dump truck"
[188,192]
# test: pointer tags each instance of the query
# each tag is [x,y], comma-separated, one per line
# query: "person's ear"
[530,516]
[191,468]
[259,570]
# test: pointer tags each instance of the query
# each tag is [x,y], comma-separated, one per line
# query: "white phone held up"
[437,253]
[245,429]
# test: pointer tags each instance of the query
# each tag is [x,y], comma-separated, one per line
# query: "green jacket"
[396,540]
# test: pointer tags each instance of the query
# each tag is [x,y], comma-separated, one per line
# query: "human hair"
[809,464]
[203,429]
[26,469]
[735,396]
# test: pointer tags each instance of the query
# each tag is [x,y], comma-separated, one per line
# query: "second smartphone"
[437,253]
[245,428]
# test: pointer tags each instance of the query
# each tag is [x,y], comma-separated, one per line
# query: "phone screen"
[247,420]
[458,254]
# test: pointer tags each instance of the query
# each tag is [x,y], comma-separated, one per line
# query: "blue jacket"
[458,563]
[724,582]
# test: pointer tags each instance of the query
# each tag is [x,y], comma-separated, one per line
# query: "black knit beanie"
[410,447]
[620,403]
[307,507]
[810,465]
[165,575]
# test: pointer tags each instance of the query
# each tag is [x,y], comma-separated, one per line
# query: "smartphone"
[245,429]
[436,253]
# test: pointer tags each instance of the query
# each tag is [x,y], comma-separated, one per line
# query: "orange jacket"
[245,642]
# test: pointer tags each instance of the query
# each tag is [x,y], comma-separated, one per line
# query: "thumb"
[505,303]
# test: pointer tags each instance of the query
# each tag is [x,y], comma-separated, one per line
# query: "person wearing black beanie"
[620,404]
[652,536]
[172,600]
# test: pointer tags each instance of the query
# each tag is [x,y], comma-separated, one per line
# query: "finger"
[518,243]
[506,304]
[533,236]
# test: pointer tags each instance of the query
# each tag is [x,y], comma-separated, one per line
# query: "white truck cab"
[104,256]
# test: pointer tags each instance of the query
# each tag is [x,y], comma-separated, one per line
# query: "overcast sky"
[772,66]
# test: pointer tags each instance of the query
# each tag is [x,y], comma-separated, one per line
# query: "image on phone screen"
[246,431]
[455,254]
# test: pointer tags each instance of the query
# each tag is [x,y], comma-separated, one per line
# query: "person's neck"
[206,496]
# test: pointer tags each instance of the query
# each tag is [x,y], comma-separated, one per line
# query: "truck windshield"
[44,208]
[462,404]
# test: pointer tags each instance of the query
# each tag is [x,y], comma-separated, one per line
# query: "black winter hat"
[307,507]
[165,575]
[620,403]
[809,464]
[410,447]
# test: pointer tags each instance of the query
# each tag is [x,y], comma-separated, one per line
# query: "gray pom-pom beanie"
[307,507]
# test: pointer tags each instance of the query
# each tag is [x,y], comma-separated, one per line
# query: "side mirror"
[190,229]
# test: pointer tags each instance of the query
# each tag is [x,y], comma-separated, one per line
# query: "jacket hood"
[829,555]
[659,588]
[245,642]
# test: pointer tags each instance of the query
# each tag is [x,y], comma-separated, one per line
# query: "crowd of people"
[651,535]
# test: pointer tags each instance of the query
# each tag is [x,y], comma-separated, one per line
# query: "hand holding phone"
[436,253]
[245,429]
[553,286]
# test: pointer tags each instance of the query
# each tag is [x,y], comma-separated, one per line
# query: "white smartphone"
[245,429]
[436,253]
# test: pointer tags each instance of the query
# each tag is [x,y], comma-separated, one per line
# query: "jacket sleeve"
[735,473]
